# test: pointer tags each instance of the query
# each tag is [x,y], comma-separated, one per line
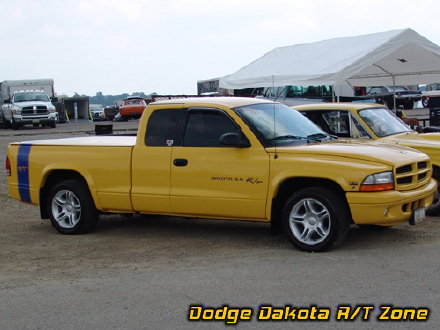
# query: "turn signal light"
[377,187]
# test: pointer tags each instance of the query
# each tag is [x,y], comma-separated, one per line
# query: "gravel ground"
[144,272]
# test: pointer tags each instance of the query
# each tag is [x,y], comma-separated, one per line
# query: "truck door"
[152,162]
[212,180]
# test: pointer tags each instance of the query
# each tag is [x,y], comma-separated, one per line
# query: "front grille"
[405,180]
[404,169]
[32,112]
[422,165]
[38,107]
[412,176]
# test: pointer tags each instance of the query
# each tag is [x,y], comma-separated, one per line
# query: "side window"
[357,131]
[205,127]
[161,127]
[338,123]
[374,90]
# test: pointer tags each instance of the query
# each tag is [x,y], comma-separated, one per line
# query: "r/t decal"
[254,180]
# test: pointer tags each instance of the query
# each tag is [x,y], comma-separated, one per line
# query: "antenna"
[274,121]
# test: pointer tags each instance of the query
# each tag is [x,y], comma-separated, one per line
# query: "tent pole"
[394,93]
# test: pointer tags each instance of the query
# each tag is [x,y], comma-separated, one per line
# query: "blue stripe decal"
[23,172]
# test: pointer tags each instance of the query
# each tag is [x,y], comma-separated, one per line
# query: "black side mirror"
[7,101]
[234,140]
[54,99]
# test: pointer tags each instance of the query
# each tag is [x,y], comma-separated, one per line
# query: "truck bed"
[94,141]
[103,161]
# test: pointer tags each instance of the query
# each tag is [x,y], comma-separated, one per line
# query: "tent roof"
[365,60]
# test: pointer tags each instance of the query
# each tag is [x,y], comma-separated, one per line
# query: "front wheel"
[315,219]
[71,208]
[15,125]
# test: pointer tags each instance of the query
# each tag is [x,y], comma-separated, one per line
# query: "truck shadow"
[248,233]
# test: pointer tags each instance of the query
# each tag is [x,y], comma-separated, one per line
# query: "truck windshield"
[30,96]
[383,122]
[397,88]
[276,124]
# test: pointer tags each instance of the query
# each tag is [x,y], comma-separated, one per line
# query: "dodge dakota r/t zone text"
[225,158]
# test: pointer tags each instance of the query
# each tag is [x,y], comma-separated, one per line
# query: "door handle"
[180,162]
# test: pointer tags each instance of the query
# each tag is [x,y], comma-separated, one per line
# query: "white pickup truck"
[432,90]
[28,107]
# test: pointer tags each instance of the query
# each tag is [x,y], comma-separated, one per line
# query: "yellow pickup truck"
[375,122]
[225,158]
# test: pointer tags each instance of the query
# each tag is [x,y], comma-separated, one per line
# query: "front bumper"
[389,208]
[35,119]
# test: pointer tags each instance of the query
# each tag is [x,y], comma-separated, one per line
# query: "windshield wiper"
[288,137]
[318,136]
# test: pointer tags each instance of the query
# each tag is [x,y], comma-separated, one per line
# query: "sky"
[166,46]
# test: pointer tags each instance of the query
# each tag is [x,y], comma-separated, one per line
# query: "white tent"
[398,57]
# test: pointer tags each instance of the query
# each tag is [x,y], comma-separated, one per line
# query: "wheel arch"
[288,186]
[53,178]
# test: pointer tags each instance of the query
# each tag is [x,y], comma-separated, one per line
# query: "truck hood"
[415,140]
[429,143]
[382,153]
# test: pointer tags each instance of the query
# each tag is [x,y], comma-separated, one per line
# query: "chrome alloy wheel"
[66,209]
[309,221]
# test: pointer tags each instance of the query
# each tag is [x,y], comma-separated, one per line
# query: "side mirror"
[7,101]
[54,99]
[234,140]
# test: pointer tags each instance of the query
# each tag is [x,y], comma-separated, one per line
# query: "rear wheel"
[71,208]
[315,219]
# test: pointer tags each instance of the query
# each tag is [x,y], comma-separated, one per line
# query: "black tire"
[408,105]
[53,124]
[71,208]
[325,221]
[7,124]
[434,210]
[15,125]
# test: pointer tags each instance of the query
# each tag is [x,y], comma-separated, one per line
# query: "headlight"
[51,109]
[16,111]
[378,182]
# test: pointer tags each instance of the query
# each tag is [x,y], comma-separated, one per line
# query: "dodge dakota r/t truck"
[375,122]
[225,158]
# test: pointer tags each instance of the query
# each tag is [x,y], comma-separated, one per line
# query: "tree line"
[106,100]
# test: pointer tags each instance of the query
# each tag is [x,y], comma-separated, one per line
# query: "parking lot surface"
[144,272]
